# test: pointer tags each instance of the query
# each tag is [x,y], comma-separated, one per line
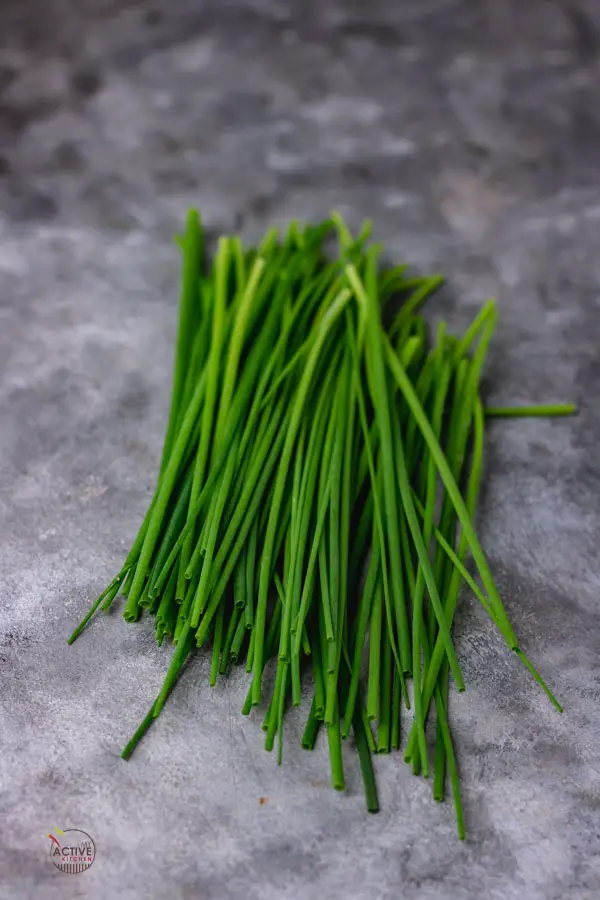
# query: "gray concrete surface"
[470,132]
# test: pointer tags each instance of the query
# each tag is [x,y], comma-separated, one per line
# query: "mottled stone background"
[470,132]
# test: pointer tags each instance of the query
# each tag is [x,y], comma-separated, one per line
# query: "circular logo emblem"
[72,851]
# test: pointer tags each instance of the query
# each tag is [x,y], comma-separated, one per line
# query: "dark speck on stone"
[86,81]
[13,120]
[587,41]
[68,157]
[381,34]
[153,18]
[7,75]
[356,173]
[29,204]
[135,398]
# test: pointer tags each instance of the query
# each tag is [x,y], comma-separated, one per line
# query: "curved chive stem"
[234,618]
[216,654]
[167,483]
[250,566]
[108,594]
[443,381]
[346,507]
[454,780]
[202,591]
[172,531]
[139,734]
[366,764]
[424,289]
[378,337]
[469,401]
[236,344]
[396,713]
[439,767]
[238,640]
[307,491]
[552,409]
[325,327]
[539,680]
[373,694]
[319,698]
[239,581]
[293,549]
[334,737]
[456,562]
[250,657]
[236,536]
[378,387]
[337,601]
[212,386]
[166,614]
[317,551]
[189,308]
[374,497]
[280,711]
[385,700]
[152,714]
[417,536]
[311,730]
[487,312]
[364,615]
[125,588]
[179,657]
[450,485]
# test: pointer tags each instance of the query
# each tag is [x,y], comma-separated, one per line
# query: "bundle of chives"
[313,430]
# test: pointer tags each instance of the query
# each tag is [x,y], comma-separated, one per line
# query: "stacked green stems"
[309,512]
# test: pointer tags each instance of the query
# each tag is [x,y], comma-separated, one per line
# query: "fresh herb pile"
[316,495]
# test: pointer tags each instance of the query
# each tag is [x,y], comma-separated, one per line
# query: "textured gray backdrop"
[470,132]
